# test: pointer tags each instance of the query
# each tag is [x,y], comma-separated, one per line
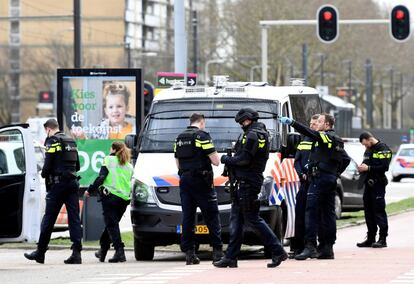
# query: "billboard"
[96,107]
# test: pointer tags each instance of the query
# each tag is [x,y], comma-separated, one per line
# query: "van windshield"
[169,118]
[304,106]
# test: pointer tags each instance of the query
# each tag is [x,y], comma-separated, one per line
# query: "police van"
[21,188]
[156,204]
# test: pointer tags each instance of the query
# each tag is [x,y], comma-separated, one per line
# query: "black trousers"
[374,209]
[65,192]
[113,208]
[298,243]
[320,218]
[196,192]
[241,216]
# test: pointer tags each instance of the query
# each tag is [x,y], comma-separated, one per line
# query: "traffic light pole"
[264,25]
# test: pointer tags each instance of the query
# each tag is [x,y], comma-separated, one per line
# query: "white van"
[21,192]
[156,204]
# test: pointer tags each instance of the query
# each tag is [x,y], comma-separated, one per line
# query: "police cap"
[246,113]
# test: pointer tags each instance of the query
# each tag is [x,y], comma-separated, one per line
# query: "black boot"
[36,255]
[308,252]
[326,252]
[75,258]
[119,256]
[367,243]
[217,253]
[191,257]
[226,262]
[277,259]
[101,254]
[382,243]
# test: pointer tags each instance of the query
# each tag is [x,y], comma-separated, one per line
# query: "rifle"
[228,172]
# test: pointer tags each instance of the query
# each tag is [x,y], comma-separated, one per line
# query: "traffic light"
[328,28]
[148,96]
[400,23]
[46,97]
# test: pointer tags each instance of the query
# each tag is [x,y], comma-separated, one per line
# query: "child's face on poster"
[116,109]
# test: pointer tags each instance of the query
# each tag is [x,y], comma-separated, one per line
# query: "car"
[349,197]
[402,165]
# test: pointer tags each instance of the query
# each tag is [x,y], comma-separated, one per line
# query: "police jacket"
[252,153]
[302,156]
[61,156]
[327,153]
[378,159]
[192,149]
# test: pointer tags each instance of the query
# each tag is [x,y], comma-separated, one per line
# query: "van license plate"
[199,229]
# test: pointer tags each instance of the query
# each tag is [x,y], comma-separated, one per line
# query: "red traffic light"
[45,96]
[327,15]
[399,15]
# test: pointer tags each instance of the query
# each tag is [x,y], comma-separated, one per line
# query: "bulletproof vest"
[258,162]
[328,154]
[189,156]
[68,155]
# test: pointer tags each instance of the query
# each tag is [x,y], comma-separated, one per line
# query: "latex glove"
[224,159]
[285,120]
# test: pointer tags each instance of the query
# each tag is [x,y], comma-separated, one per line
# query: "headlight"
[142,193]
[266,190]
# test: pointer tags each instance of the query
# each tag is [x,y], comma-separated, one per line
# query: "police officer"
[248,164]
[301,167]
[327,161]
[376,161]
[114,185]
[59,170]
[194,153]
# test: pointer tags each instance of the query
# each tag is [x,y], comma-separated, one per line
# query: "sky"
[391,3]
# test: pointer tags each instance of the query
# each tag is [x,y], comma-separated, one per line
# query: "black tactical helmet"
[246,113]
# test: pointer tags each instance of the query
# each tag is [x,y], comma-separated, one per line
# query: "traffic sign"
[167,79]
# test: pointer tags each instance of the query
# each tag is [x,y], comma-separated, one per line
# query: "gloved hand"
[285,120]
[224,159]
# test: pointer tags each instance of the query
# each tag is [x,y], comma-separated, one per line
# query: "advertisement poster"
[96,107]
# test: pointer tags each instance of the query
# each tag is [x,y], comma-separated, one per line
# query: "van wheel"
[396,179]
[338,206]
[143,251]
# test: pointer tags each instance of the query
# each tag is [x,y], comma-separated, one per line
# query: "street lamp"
[252,71]
[206,76]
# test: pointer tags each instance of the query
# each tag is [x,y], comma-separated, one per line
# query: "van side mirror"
[293,140]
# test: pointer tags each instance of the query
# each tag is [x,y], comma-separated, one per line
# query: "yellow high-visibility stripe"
[323,136]
[381,155]
[202,141]
[304,147]
[175,147]
[207,146]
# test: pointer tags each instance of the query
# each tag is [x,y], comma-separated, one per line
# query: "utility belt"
[372,181]
[207,175]
[65,177]
[315,171]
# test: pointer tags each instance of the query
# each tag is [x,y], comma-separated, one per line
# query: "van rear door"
[20,196]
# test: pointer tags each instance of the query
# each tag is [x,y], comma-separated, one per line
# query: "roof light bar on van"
[298,82]
[195,90]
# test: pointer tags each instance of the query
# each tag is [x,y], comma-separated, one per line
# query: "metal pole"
[305,63]
[322,74]
[252,72]
[195,41]
[179,37]
[390,110]
[264,53]
[128,46]
[368,91]
[77,33]
[401,100]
